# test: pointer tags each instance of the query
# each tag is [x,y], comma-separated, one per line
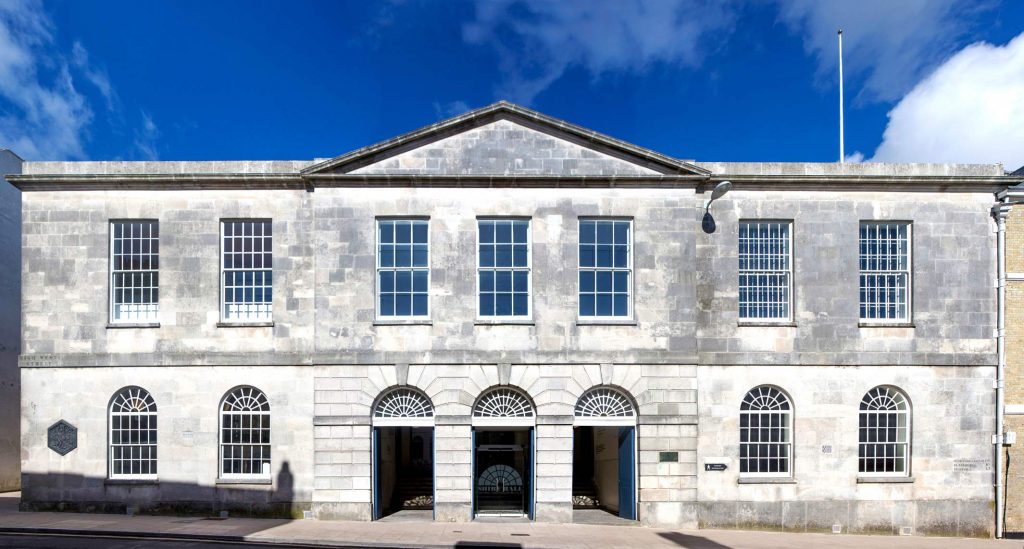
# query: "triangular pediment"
[504,140]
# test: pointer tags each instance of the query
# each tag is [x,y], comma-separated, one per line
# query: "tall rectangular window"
[247,270]
[884,271]
[504,267]
[134,271]
[403,268]
[606,267]
[765,250]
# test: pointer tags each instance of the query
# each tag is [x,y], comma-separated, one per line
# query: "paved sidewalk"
[438,535]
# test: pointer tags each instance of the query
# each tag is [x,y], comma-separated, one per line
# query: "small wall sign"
[715,466]
[62,437]
[668,457]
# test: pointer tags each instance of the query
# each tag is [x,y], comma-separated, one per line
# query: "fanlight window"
[766,433]
[884,447]
[245,433]
[133,434]
[503,403]
[402,406]
[605,404]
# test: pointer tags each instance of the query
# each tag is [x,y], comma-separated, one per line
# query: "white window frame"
[909,413]
[529,272]
[220,436]
[154,445]
[908,271]
[629,317]
[791,286]
[376,277]
[788,429]
[269,315]
[154,316]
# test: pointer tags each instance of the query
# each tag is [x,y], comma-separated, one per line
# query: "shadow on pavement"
[692,542]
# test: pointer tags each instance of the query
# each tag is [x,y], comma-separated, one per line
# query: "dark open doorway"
[403,470]
[604,470]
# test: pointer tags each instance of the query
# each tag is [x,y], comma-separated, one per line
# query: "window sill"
[403,322]
[245,480]
[119,325]
[885,480]
[607,322]
[766,480]
[131,481]
[766,324]
[863,324]
[503,322]
[245,324]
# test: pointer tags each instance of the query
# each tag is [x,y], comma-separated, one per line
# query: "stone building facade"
[504,313]
[1013,418]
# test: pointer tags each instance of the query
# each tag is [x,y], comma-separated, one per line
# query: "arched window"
[604,406]
[245,433]
[132,434]
[403,406]
[503,402]
[884,447]
[766,433]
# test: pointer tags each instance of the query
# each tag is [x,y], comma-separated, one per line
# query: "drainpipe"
[1000,211]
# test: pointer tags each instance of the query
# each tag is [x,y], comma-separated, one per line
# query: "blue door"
[529,474]
[375,458]
[627,473]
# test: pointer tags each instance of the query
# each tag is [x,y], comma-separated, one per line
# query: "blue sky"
[740,80]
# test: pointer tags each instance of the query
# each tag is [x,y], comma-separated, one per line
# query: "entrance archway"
[403,448]
[604,452]
[503,453]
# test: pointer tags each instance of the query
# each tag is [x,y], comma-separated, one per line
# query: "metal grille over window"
[766,437]
[884,271]
[403,268]
[248,270]
[134,271]
[133,434]
[503,402]
[884,447]
[606,266]
[245,433]
[765,270]
[604,402]
[404,403]
[504,267]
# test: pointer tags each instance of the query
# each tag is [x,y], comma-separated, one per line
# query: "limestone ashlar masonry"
[683,360]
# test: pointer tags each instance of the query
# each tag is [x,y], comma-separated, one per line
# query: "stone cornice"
[309,182]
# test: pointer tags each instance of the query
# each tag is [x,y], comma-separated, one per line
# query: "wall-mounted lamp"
[717,193]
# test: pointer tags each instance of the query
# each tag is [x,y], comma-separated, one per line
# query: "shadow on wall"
[84,494]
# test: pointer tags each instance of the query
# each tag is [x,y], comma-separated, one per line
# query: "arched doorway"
[604,452]
[403,448]
[503,453]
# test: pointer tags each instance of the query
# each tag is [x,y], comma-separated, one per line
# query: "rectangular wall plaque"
[715,467]
[668,457]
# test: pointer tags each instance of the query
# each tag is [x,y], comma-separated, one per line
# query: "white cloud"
[145,138]
[450,109]
[889,45]
[537,41]
[46,115]
[971,109]
[97,76]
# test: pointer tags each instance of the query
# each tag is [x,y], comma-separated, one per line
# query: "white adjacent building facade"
[507,314]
